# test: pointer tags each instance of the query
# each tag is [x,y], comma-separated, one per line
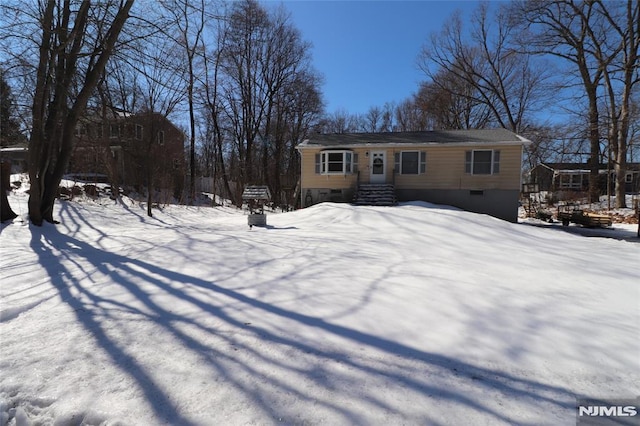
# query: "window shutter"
[317,164]
[396,157]
[354,168]
[347,162]
[423,162]
[467,161]
[496,162]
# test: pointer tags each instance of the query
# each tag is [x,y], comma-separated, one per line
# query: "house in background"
[575,177]
[17,156]
[476,170]
[130,149]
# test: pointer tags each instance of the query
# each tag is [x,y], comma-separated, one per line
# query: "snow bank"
[335,314]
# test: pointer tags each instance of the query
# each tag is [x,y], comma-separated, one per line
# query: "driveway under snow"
[337,315]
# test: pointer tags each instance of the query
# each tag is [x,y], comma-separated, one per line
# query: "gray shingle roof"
[410,138]
[585,166]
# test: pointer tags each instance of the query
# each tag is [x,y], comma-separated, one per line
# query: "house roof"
[464,137]
[583,167]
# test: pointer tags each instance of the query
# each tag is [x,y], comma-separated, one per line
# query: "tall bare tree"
[450,102]
[188,17]
[575,32]
[162,84]
[214,101]
[75,42]
[621,76]
[502,79]
[285,73]
[245,94]
[10,132]
[258,69]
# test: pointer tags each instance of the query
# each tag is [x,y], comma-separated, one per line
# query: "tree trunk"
[621,172]
[51,142]
[192,138]
[6,213]
[594,155]
[149,201]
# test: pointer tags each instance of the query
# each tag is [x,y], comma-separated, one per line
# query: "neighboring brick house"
[128,150]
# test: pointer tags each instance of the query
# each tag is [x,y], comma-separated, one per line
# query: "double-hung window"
[482,162]
[410,162]
[570,181]
[336,162]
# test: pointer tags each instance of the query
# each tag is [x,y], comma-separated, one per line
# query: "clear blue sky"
[367,50]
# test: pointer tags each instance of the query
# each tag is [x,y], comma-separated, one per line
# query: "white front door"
[378,161]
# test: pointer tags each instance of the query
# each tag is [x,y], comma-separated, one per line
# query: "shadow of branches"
[279,374]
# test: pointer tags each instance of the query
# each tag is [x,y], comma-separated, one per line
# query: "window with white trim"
[336,162]
[410,162]
[482,162]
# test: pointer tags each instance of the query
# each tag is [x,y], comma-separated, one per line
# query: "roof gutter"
[302,145]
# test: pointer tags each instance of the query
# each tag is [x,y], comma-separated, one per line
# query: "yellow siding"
[312,180]
[444,169]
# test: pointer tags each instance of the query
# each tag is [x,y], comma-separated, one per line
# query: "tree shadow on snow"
[90,308]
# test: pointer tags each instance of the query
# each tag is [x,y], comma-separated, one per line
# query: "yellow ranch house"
[475,170]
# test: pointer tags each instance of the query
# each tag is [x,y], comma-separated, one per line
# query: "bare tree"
[188,17]
[286,60]
[373,119]
[340,121]
[450,102]
[620,78]
[388,117]
[244,92]
[10,132]
[502,79]
[214,100]
[572,31]
[410,117]
[76,41]
[258,83]
[161,89]
[296,108]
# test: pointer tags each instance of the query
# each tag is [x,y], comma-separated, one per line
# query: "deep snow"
[335,314]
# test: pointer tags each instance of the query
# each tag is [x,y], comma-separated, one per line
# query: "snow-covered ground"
[336,315]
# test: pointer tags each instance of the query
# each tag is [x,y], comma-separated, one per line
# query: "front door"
[378,167]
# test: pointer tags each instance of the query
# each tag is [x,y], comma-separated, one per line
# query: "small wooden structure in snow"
[256,196]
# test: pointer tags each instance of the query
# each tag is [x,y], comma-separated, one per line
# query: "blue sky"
[367,50]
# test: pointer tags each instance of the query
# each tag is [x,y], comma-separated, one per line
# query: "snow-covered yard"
[337,315]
